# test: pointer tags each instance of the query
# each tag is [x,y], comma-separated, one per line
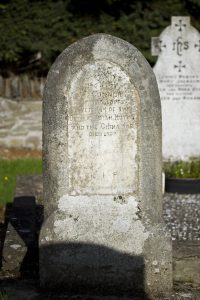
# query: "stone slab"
[21,124]
[14,251]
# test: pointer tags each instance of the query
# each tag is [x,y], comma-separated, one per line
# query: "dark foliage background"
[33,33]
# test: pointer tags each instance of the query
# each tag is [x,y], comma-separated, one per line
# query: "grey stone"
[177,73]
[103,230]
[14,251]
[21,123]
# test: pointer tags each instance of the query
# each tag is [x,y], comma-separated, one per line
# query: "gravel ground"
[182,216]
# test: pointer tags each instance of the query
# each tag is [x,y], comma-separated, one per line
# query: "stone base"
[99,244]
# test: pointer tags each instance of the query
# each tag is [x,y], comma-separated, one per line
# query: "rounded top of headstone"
[101,41]
[102,46]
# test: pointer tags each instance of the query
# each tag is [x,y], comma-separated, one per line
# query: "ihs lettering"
[179,46]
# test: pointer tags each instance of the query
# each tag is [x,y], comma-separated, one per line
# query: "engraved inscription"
[102,130]
[179,87]
[179,46]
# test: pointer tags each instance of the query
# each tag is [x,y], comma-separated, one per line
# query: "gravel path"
[182,215]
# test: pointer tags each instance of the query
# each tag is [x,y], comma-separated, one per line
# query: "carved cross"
[197,46]
[180,25]
[179,66]
[160,45]
[157,46]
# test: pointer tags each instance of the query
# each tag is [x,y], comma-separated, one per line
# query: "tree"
[33,33]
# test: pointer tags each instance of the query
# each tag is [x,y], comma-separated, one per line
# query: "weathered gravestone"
[102,173]
[178,74]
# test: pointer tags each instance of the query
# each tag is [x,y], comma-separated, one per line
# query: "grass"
[182,169]
[10,169]
[4,296]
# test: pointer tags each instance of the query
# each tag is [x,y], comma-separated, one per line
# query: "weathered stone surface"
[21,124]
[102,173]
[14,251]
[177,73]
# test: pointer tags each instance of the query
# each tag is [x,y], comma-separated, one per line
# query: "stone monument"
[178,75]
[103,232]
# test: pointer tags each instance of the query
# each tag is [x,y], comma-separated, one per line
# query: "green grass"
[182,169]
[4,296]
[9,169]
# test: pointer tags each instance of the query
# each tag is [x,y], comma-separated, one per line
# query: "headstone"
[178,75]
[103,232]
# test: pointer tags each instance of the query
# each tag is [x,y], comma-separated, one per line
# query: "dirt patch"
[14,153]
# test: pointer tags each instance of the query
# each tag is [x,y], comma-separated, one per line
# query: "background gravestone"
[103,232]
[178,75]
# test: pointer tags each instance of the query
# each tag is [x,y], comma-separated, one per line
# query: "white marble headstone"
[178,75]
